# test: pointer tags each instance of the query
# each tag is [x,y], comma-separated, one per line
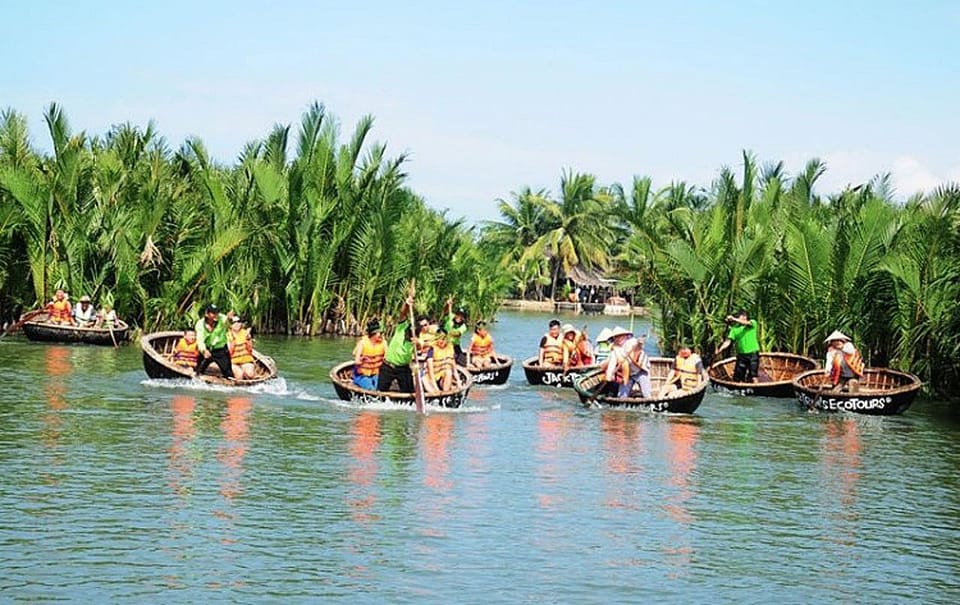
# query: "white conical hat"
[604,335]
[838,335]
[618,331]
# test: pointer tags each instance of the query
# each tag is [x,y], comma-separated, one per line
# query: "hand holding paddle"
[417,383]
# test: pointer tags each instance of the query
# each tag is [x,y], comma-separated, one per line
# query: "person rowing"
[844,364]
[743,335]
[399,355]
[212,342]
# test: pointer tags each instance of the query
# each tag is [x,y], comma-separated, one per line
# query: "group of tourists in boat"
[61,312]
[218,338]
[432,347]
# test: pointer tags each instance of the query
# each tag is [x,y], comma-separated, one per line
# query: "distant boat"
[342,378]
[552,376]
[777,371]
[883,392]
[158,350]
[591,389]
[495,373]
[39,329]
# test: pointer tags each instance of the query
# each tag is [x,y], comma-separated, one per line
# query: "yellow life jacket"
[186,353]
[371,356]
[443,358]
[481,346]
[687,368]
[552,350]
[241,349]
[60,311]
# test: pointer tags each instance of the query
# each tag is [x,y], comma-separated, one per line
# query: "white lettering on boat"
[481,377]
[853,404]
[557,379]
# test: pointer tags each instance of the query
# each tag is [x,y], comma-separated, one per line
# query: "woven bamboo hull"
[593,308]
[342,378]
[41,331]
[494,374]
[883,392]
[551,376]
[777,371]
[158,362]
[679,403]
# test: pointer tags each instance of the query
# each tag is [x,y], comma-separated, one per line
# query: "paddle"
[417,383]
[112,337]
[26,317]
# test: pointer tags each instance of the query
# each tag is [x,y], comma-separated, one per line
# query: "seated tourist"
[106,317]
[551,346]
[59,309]
[84,315]
[441,363]
[186,352]
[481,354]
[368,356]
[687,373]
[240,346]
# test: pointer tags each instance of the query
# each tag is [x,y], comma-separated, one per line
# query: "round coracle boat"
[342,378]
[777,371]
[158,362]
[40,329]
[593,390]
[495,373]
[552,376]
[882,392]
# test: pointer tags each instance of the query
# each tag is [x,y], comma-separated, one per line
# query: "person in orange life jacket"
[687,373]
[84,314]
[481,353]
[441,363]
[844,364]
[368,356]
[551,346]
[584,348]
[240,345]
[633,367]
[186,352]
[211,329]
[59,309]
[569,346]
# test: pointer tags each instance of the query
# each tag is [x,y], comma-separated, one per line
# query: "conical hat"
[837,335]
[618,331]
[567,328]
[604,335]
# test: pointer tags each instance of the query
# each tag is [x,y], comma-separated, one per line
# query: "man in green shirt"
[396,361]
[743,334]
[456,327]
[212,341]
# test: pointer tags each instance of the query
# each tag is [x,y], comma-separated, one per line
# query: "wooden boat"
[39,329]
[777,371]
[589,389]
[566,306]
[883,392]
[495,373]
[158,350]
[342,378]
[552,376]
[593,308]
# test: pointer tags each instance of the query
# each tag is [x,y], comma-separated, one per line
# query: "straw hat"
[84,298]
[604,335]
[618,331]
[837,335]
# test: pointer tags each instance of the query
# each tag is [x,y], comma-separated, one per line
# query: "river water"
[118,489]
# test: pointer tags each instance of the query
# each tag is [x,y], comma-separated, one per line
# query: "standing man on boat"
[743,335]
[844,363]
[396,362]
[212,343]
[455,323]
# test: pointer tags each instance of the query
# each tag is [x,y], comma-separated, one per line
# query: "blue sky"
[491,96]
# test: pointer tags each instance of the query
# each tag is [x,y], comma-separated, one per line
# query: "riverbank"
[550,306]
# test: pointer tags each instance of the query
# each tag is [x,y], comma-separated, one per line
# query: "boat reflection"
[57,366]
[552,426]
[682,437]
[366,438]
[436,460]
[622,442]
[840,475]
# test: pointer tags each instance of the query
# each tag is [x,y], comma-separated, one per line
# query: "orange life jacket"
[240,346]
[552,350]
[371,356]
[59,311]
[853,360]
[584,354]
[443,358]
[186,353]
[687,368]
[481,346]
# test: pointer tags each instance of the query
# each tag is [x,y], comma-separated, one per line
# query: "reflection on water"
[682,437]
[178,456]
[58,366]
[551,427]
[435,453]
[622,441]
[366,436]
[840,469]
[235,430]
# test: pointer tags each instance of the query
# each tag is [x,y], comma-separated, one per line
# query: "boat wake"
[390,406]
[277,387]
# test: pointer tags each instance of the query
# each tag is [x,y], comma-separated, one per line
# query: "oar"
[112,336]
[27,317]
[417,383]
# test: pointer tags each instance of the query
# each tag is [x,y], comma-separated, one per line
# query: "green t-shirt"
[400,349]
[744,338]
[454,333]
[215,338]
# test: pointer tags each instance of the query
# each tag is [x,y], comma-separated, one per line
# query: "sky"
[490,97]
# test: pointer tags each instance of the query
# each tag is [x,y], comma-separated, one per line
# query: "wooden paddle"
[26,317]
[417,383]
